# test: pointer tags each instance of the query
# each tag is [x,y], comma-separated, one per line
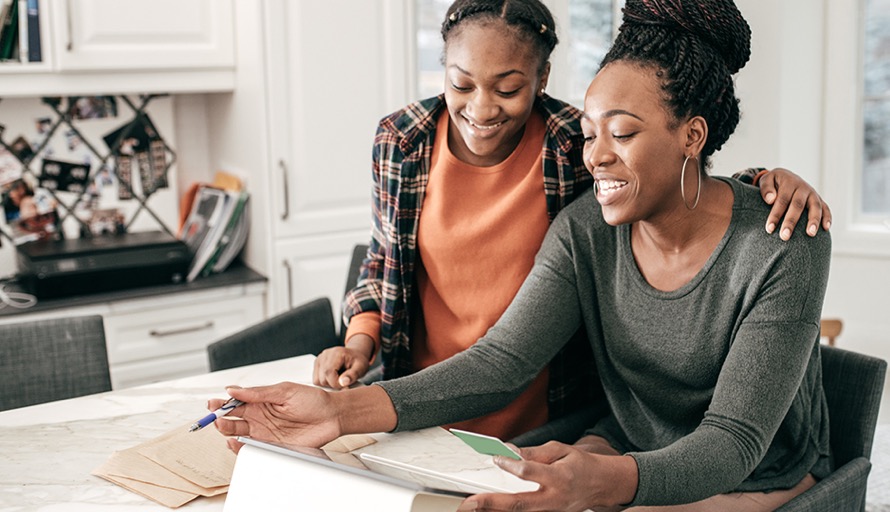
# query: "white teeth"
[482,127]
[609,186]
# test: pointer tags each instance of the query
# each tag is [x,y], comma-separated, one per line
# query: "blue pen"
[226,408]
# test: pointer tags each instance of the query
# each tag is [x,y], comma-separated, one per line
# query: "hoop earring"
[683,188]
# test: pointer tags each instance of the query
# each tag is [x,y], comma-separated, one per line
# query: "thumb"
[348,377]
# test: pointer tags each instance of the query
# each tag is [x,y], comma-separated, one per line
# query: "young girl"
[465,187]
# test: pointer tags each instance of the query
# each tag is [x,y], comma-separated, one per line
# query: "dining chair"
[52,359]
[830,329]
[853,386]
[305,329]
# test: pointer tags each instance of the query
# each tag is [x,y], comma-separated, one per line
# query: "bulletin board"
[84,166]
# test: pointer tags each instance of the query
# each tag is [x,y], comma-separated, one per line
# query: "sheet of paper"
[166,496]
[173,468]
[201,457]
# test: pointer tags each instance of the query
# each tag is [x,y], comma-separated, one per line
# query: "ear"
[545,76]
[695,131]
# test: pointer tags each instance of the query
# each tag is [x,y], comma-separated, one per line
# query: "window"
[585,28]
[875,188]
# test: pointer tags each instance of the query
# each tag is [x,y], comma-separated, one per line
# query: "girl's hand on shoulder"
[569,479]
[789,195]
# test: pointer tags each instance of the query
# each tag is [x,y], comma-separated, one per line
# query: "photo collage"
[55,168]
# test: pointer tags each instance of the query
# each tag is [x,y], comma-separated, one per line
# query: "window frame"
[853,232]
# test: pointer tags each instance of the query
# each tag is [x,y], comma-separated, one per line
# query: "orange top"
[463,285]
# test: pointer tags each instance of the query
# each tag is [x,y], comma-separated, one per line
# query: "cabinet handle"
[173,332]
[286,213]
[290,283]
[70,45]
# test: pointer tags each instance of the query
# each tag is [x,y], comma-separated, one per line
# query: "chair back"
[52,359]
[306,329]
[853,386]
[355,265]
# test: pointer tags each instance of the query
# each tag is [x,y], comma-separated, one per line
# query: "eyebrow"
[613,113]
[499,76]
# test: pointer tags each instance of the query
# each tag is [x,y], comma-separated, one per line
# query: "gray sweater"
[713,387]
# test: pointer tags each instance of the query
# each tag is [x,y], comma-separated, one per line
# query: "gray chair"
[53,359]
[352,274]
[853,385]
[306,329]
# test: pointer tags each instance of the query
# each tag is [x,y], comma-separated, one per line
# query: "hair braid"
[531,18]
[696,45]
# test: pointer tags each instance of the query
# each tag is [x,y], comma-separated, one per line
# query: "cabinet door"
[335,68]
[312,267]
[143,34]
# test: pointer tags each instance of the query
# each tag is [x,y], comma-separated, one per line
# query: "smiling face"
[492,77]
[633,146]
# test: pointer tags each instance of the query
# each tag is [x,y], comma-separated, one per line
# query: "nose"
[483,106]
[598,154]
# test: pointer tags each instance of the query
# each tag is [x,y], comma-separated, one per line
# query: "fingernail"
[770,227]
[770,196]
[812,230]
[233,387]
[827,225]
[344,381]
[786,234]
[468,505]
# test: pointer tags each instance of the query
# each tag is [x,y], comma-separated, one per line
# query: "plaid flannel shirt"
[401,165]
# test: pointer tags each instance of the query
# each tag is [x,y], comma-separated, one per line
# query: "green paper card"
[486,445]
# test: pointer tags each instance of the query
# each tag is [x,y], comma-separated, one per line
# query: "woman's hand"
[284,413]
[790,194]
[570,479]
[340,367]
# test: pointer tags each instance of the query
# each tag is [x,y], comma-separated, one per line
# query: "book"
[233,237]
[34,51]
[9,31]
[205,225]
[23,31]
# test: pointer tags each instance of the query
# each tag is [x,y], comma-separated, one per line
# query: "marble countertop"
[47,451]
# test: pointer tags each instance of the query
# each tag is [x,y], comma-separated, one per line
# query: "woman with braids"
[709,362]
[465,187]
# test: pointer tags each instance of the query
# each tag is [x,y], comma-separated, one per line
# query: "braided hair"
[696,45]
[530,18]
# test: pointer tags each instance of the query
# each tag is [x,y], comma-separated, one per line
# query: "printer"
[64,268]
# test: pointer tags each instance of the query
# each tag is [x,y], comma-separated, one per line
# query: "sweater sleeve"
[491,373]
[760,378]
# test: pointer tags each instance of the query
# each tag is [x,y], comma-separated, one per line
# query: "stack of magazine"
[216,229]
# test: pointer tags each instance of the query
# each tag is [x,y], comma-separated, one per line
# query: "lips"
[607,188]
[482,127]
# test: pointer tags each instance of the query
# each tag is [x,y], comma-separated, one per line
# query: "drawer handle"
[173,332]
[286,189]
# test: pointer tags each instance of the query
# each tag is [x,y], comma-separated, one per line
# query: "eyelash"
[504,94]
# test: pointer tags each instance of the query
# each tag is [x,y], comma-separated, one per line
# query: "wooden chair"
[831,329]
[53,359]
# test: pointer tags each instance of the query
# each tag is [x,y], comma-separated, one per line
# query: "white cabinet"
[327,90]
[128,46]
[117,35]
[164,337]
